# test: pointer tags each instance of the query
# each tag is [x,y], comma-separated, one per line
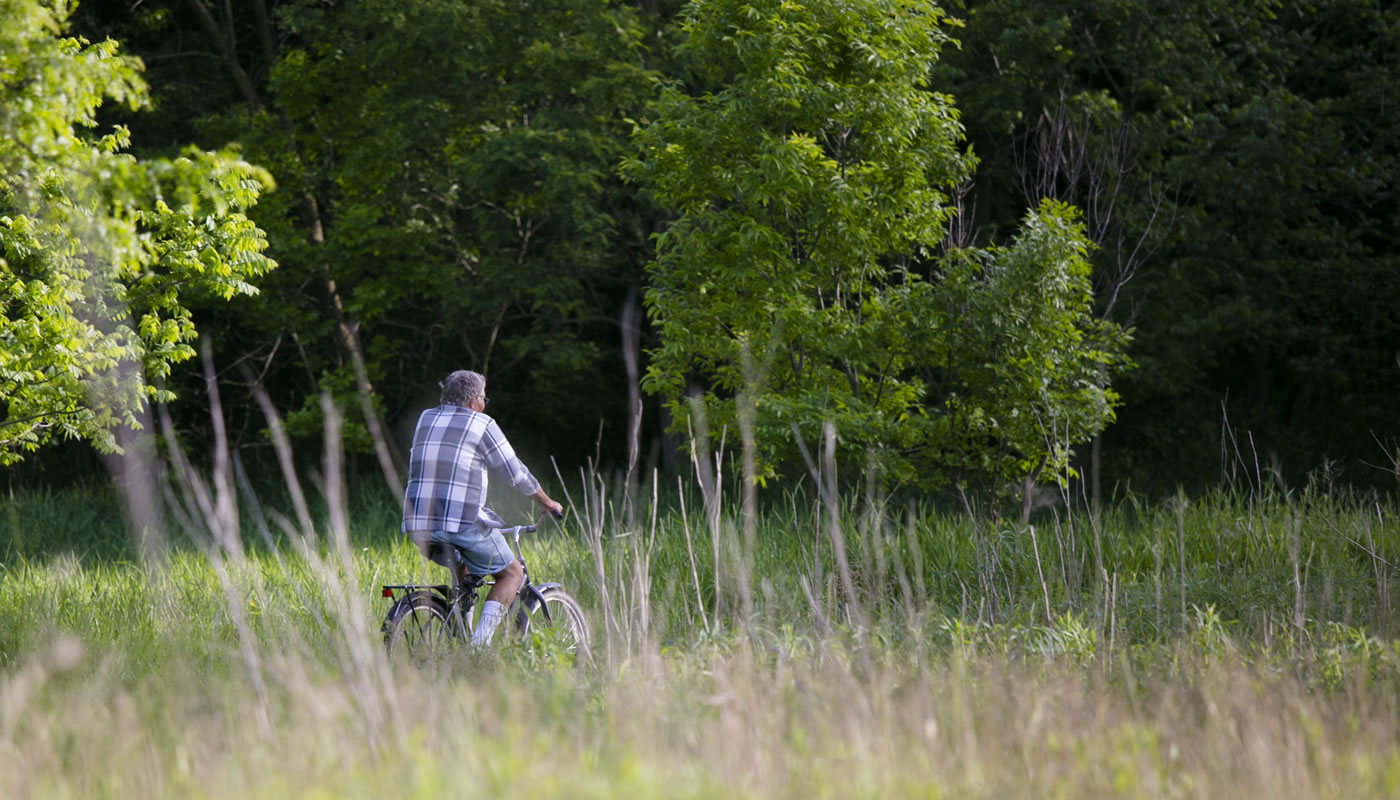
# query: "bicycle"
[425,621]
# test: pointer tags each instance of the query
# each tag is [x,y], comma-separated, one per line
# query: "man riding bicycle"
[444,503]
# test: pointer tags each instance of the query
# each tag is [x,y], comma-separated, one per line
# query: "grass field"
[1238,644]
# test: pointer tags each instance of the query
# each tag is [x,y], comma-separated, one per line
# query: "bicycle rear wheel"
[555,622]
[419,627]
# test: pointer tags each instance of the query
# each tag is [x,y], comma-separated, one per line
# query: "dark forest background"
[448,196]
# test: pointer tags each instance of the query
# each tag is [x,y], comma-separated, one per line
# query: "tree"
[1272,295]
[450,201]
[1024,363]
[804,275]
[100,252]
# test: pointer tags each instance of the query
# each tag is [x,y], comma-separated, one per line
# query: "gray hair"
[462,387]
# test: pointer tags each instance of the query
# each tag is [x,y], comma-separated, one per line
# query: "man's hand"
[549,505]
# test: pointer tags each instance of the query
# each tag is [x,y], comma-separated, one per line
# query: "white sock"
[491,615]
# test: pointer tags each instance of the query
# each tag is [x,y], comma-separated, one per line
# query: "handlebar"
[519,529]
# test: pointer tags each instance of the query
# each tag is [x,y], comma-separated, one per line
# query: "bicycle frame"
[531,594]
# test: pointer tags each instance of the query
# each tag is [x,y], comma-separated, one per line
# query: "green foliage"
[99,252]
[450,176]
[803,273]
[448,167]
[1257,194]
[1022,355]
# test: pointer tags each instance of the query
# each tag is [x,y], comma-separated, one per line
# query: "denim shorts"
[481,547]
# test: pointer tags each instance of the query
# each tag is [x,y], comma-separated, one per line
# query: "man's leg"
[497,601]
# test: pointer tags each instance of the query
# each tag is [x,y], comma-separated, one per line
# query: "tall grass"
[804,646]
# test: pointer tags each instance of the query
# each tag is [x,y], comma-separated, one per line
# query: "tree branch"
[229,57]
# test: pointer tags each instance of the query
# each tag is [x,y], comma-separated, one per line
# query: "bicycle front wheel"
[555,621]
[419,627]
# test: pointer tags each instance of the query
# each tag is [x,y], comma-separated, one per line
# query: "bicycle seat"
[439,553]
[449,556]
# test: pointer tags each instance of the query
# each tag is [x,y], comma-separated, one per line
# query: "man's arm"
[500,456]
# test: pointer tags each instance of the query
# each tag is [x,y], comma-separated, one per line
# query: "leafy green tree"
[805,272]
[99,253]
[1020,361]
[1286,274]
[450,199]
[1265,133]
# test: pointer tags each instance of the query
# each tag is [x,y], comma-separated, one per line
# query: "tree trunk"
[390,460]
[228,56]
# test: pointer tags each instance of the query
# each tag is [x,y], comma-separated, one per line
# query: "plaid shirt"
[452,449]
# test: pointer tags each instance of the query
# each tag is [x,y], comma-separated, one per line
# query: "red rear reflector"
[387,592]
